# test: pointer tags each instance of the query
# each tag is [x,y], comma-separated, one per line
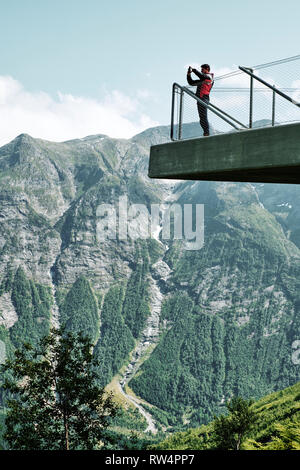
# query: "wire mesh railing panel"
[187,120]
[284,74]
[232,101]
[232,94]
[186,116]
[270,109]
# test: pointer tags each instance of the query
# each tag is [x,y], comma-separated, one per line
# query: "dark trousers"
[202,111]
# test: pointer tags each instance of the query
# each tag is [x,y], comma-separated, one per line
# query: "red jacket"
[204,83]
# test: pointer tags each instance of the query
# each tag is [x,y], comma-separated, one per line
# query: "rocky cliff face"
[191,327]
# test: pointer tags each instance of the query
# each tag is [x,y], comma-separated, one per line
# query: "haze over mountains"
[184,329]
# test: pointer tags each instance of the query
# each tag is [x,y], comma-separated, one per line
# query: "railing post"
[172,112]
[180,115]
[273,107]
[251,101]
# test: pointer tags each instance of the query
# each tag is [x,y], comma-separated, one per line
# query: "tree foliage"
[286,437]
[116,340]
[56,401]
[136,302]
[230,431]
[79,311]
[32,303]
[276,427]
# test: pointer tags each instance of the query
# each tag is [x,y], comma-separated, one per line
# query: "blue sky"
[70,68]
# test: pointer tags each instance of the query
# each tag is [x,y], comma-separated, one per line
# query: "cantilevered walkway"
[270,155]
[267,154]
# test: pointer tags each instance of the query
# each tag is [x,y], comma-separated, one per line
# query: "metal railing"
[185,119]
[271,87]
[181,91]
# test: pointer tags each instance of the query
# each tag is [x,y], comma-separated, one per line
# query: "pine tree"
[57,403]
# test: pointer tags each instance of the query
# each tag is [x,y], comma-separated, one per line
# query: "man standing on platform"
[204,85]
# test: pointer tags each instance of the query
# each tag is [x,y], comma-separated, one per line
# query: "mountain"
[178,331]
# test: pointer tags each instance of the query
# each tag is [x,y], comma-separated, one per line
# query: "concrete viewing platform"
[266,155]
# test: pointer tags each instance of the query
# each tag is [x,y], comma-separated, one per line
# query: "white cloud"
[68,116]
[240,80]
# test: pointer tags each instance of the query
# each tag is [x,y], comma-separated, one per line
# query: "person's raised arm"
[189,78]
[199,74]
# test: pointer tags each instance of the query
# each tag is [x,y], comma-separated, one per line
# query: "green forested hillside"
[32,303]
[277,426]
[114,331]
[79,311]
[235,317]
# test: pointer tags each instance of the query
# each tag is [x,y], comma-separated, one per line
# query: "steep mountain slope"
[274,413]
[285,205]
[232,310]
[184,329]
